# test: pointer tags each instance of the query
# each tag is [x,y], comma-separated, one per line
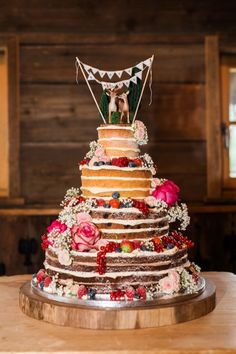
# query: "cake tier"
[102,181]
[130,223]
[122,269]
[118,140]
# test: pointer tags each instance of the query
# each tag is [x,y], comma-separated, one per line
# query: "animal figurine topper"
[112,106]
[123,106]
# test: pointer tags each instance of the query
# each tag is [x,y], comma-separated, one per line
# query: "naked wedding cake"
[119,236]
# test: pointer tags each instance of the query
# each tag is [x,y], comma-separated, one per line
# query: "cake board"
[125,317]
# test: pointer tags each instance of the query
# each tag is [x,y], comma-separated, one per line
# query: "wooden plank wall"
[59,118]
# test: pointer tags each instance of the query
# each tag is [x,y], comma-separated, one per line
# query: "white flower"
[64,257]
[179,212]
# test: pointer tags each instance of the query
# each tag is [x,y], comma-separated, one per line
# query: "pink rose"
[83,217]
[168,192]
[171,283]
[140,133]
[99,152]
[100,243]
[64,257]
[84,236]
[56,225]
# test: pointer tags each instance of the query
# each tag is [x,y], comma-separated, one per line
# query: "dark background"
[58,118]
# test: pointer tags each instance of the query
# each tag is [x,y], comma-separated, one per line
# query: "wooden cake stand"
[131,316]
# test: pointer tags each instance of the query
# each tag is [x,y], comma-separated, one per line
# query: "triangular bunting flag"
[101,73]
[119,73]
[139,75]
[94,70]
[139,66]
[110,74]
[104,85]
[129,71]
[126,83]
[91,77]
[147,62]
[133,79]
[87,67]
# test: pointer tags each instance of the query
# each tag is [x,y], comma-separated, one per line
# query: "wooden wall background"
[58,118]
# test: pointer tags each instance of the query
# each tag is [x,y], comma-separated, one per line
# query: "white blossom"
[179,212]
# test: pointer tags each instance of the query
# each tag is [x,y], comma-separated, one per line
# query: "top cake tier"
[118,140]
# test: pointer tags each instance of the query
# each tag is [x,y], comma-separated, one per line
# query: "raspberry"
[47,281]
[120,161]
[130,292]
[84,162]
[40,275]
[82,291]
[101,202]
[137,244]
[140,205]
[141,291]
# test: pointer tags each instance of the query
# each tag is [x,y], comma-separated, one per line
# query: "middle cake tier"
[102,181]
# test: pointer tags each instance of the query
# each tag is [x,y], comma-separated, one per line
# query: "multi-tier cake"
[114,238]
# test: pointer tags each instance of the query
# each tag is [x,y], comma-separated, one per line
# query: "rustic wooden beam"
[213,132]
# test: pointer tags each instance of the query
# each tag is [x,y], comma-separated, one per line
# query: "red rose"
[167,191]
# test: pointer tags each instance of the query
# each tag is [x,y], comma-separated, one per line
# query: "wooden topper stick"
[144,84]
[91,91]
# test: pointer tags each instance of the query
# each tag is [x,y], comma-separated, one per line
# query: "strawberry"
[82,291]
[142,292]
[120,161]
[114,203]
[138,162]
[47,281]
[40,275]
[130,292]
[127,246]
[80,199]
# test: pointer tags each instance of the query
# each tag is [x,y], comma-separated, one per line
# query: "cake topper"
[120,99]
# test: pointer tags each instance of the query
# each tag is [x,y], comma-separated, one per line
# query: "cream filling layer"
[112,167]
[122,149]
[114,127]
[128,222]
[127,231]
[117,139]
[101,189]
[117,178]
[112,275]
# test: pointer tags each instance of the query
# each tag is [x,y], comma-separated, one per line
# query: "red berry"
[127,246]
[114,203]
[101,202]
[138,162]
[130,292]
[47,281]
[137,244]
[82,291]
[142,292]
[40,275]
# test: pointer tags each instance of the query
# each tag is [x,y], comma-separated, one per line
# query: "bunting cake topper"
[122,89]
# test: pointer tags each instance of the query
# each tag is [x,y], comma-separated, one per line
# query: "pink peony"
[84,236]
[155,182]
[168,192]
[64,257]
[171,283]
[140,133]
[56,225]
[83,217]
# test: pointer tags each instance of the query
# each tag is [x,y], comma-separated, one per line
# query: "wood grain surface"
[213,333]
[62,314]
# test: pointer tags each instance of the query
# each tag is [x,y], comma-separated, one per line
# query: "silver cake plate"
[160,300]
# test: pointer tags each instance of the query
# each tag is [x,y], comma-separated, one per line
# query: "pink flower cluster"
[170,284]
[99,155]
[140,132]
[56,225]
[167,191]
[85,235]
